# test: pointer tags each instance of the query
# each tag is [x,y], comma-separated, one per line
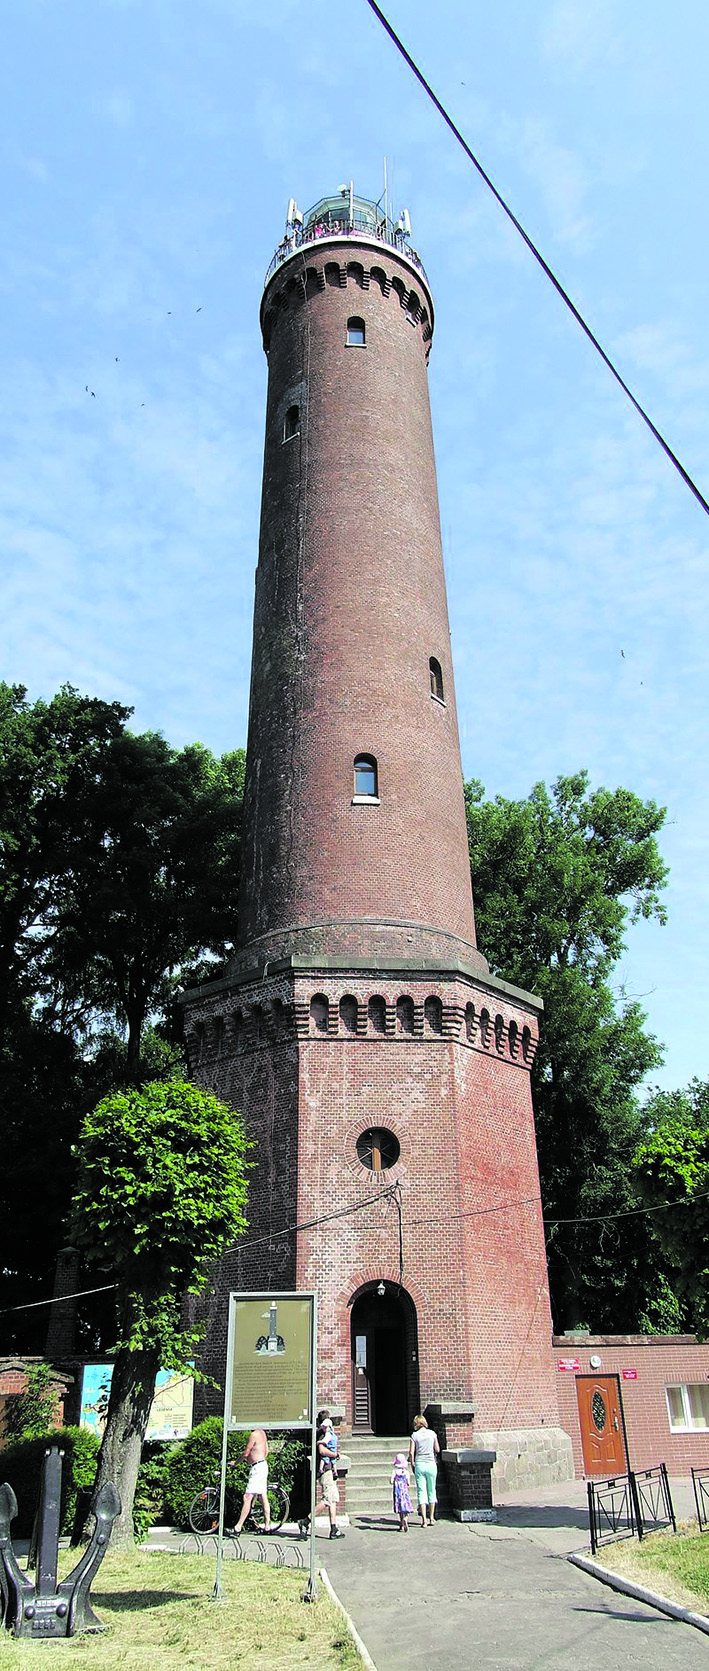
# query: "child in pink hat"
[400,1489]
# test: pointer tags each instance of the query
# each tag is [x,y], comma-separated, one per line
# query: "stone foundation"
[527,1457]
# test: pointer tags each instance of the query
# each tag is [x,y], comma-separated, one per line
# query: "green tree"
[557,880]
[161,1193]
[35,1412]
[118,872]
[156,884]
[51,754]
[671,1175]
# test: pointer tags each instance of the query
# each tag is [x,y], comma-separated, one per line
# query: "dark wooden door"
[600,1416]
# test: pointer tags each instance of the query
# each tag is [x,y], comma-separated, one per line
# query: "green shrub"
[149,1503]
[30,1414]
[196,1459]
[21,1467]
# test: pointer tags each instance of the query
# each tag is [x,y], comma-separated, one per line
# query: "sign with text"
[629,1374]
[569,1363]
[272,1360]
[170,1412]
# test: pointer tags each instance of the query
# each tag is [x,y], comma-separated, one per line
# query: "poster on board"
[170,1412]
[272,1341]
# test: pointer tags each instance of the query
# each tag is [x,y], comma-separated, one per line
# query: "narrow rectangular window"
[355,333]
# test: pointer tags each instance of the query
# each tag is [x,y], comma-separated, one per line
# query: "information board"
[272,1346]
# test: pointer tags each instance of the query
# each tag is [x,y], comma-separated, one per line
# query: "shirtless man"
[256,1454]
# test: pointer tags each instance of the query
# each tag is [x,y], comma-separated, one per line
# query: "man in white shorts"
[256,1454]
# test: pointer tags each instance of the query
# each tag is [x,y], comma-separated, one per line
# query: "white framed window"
[688,1407]
[366,780]
[356,335]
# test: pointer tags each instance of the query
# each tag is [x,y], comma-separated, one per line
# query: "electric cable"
[558,286]
[393,1192]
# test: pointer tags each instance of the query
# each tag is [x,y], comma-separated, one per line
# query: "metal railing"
[358,227]
[630,1505]
[653,1502]
[700,1483]
[611,1510]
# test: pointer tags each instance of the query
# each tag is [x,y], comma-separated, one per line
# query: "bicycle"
[203,1512]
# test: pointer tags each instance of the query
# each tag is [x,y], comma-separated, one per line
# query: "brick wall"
[310,1078]
[350,606]
[660,1361]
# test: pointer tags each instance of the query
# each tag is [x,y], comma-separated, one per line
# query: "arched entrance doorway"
[384,1360]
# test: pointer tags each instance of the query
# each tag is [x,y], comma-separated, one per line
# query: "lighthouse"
[383,1073]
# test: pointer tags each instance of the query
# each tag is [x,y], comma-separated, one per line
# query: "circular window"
[598,1411]
[378,1149]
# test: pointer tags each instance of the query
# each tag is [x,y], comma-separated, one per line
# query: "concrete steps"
[368,1480]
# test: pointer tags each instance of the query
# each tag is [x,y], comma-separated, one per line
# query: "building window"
[436,675]
[688,1407]
[291,423]
[355,333]
[378,1149]
[219,1034]
[366,778]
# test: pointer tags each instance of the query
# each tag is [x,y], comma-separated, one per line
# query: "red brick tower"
[359,1029]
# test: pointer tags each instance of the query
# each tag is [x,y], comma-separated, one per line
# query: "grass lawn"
[157,1611]
[676,1567]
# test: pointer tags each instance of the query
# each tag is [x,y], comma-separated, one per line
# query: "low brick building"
[654,1387]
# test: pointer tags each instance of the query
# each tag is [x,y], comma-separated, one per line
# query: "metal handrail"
[302,235]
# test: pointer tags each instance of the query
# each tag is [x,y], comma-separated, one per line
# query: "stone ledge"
[456,1409]
[470,1458]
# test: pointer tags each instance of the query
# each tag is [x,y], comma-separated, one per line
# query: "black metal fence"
[700,1483]
[653,1501]
[631,1505]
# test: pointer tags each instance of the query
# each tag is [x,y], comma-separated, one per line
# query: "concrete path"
[499,1597]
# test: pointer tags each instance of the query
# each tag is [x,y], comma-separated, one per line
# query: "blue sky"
[149,150]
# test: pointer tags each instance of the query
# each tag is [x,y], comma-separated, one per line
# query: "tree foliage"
[671,1175]
[118,873]
[161,1192]
[557,880]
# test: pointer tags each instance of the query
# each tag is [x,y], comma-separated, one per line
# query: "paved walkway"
[500,1597]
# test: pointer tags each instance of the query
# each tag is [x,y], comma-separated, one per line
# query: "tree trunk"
[132,1390]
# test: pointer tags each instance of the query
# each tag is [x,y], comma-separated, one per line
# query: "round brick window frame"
[355,1131]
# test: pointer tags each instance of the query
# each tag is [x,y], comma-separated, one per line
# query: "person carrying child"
[400,1490]
[327,1447]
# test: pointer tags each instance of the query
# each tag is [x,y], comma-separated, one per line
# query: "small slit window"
[291,423]
[366,778]
[355,333]
[436,676]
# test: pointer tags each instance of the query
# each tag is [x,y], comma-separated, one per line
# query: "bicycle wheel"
[203,1514]
[279,1505]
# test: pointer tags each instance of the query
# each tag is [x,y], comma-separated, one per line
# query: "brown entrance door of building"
[601,1420]
[379,1348]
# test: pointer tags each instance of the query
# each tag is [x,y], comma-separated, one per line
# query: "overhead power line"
[558,286]
[393,1193]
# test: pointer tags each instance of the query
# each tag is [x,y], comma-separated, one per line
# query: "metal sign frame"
[256,1420]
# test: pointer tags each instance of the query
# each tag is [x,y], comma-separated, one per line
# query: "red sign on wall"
[629,1374]
[569,1363]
